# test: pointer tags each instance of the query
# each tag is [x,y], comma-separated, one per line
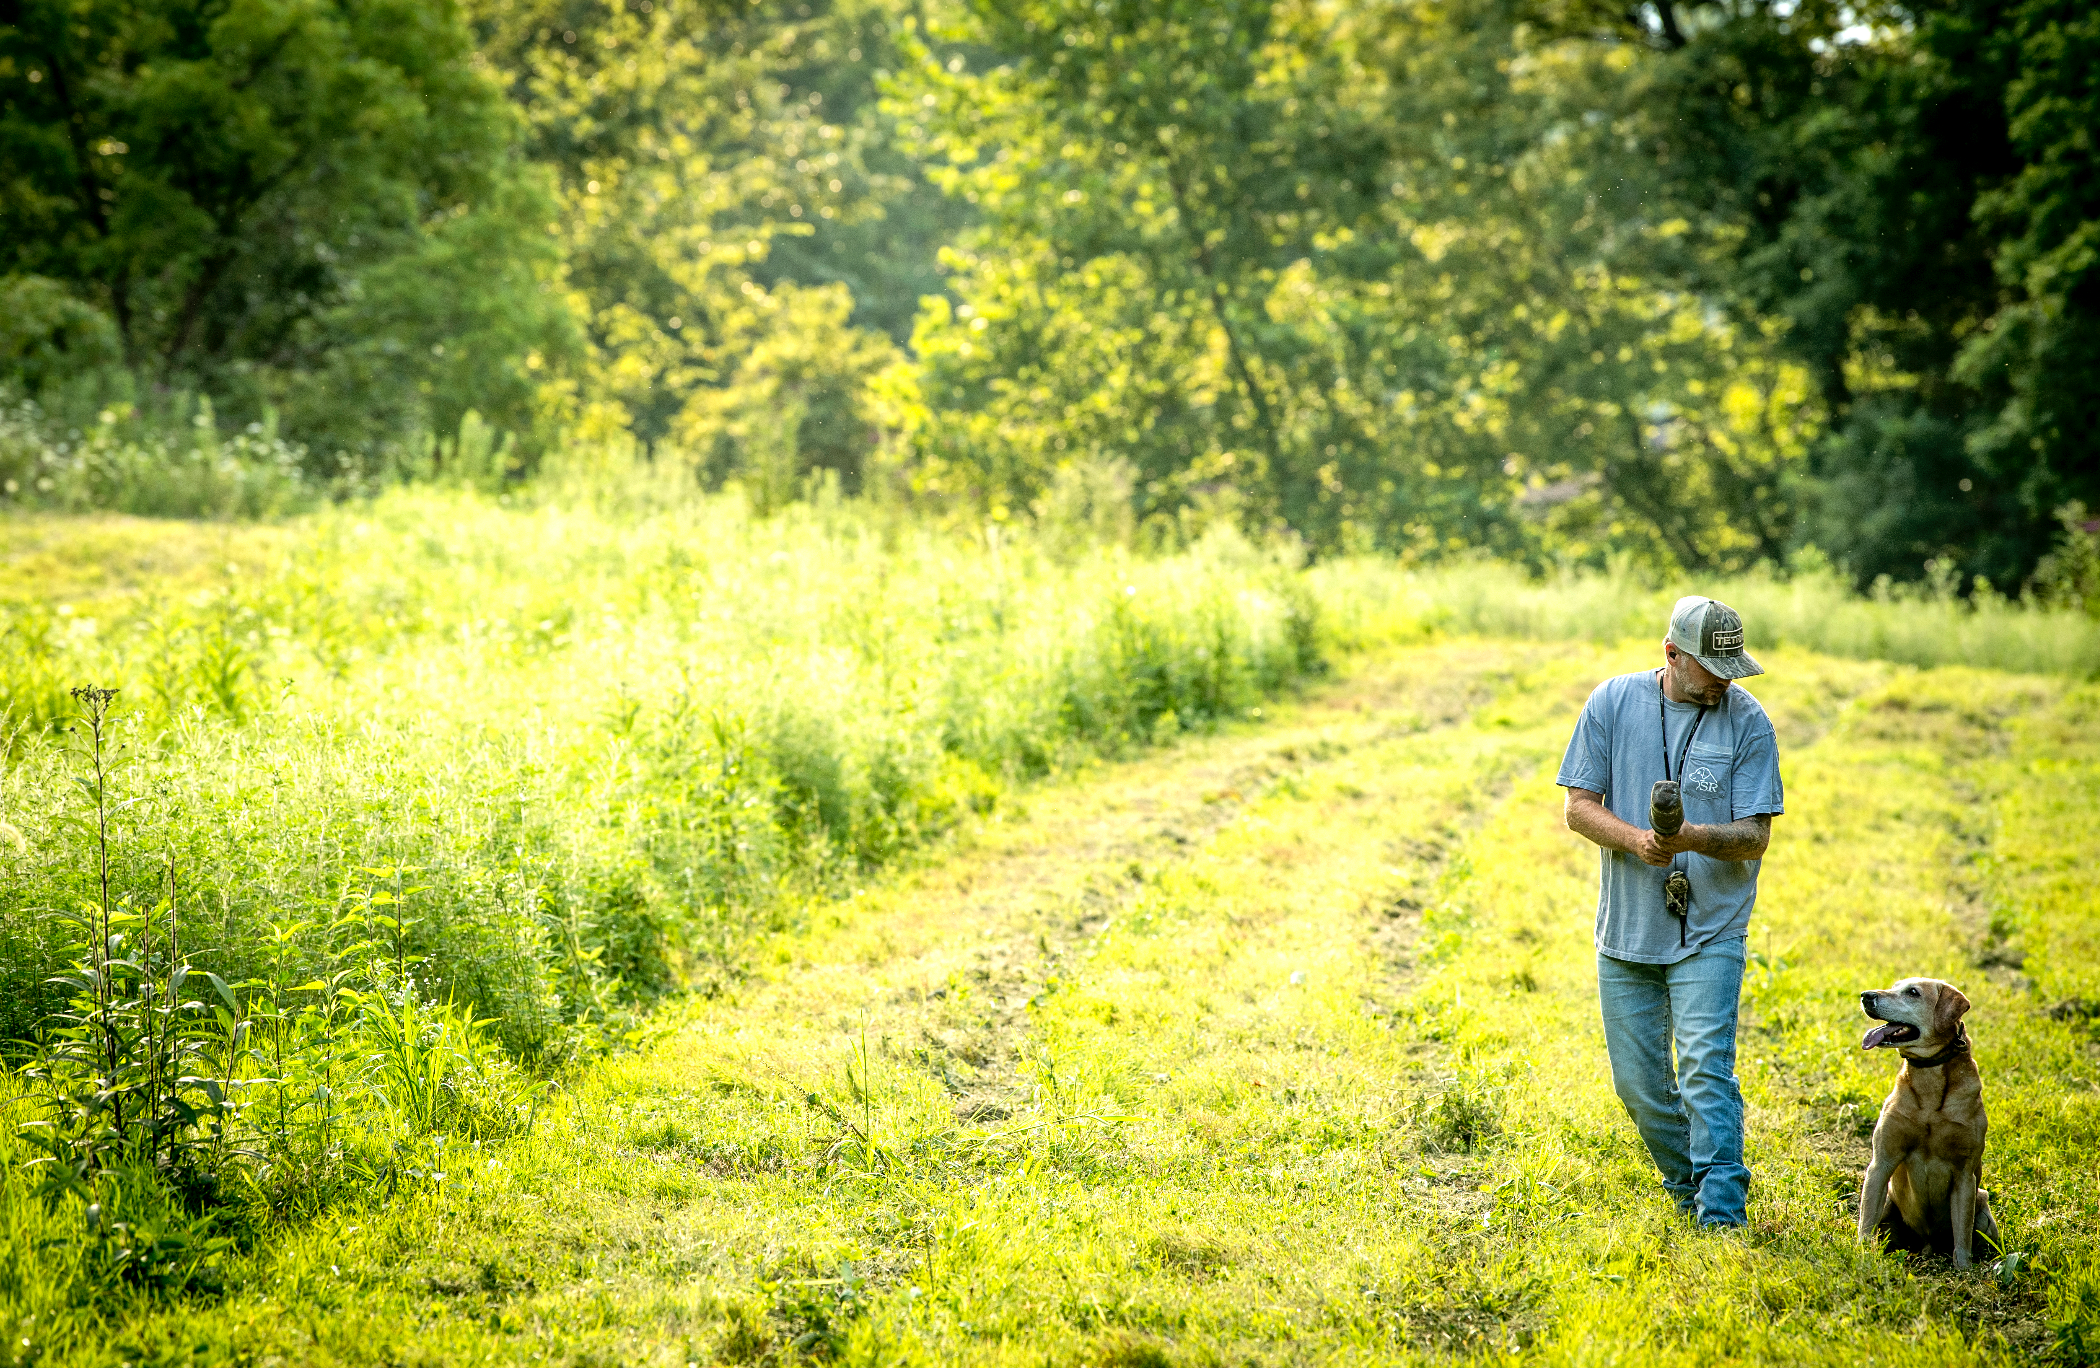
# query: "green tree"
[1346,268]
[1153,177]
[725,173]
[1908,192]
[2036,360]
[308,204]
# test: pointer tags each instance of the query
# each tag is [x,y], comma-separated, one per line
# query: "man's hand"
[1659,850]
[1744,839]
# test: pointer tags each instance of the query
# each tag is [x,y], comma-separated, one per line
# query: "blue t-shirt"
[1731,771]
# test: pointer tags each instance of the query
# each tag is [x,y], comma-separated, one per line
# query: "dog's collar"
[1957,1049]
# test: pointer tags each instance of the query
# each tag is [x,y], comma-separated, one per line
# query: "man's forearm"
[1743,839]
[1588,817]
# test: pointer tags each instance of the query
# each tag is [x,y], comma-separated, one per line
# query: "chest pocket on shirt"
[1708,770]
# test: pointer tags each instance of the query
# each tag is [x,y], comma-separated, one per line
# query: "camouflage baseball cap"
[1712,632]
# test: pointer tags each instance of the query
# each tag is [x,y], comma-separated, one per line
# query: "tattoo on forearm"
[1740,840]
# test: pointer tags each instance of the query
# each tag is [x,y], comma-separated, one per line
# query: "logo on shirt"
[1702,781]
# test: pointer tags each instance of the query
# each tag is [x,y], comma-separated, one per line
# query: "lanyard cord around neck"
[1664,719]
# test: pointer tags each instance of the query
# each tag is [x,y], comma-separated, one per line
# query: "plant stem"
[103,992]
[174,958]
[95,704]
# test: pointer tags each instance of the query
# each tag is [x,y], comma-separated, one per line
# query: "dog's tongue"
[1878,1036]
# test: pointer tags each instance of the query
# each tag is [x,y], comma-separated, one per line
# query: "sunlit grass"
[1279,1044]
[1326,1086]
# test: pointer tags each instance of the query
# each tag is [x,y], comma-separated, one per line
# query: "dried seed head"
[10,836]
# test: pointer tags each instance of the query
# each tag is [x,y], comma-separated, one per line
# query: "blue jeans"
[1691,1117]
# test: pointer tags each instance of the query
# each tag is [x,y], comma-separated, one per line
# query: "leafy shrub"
[161,1109]
[2069,576]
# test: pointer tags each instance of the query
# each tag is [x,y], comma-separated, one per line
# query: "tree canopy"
[314,206]
[1704,284]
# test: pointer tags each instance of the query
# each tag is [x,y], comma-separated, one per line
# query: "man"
[1661,976]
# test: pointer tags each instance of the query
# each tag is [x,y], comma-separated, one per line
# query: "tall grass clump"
[164,1113]
[1371,600]
[565,760]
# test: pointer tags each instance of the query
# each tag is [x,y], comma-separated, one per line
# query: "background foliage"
[314,209]
[1702,285]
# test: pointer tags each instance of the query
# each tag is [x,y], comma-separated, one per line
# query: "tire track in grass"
[942,967]
[1309,1106]
[1046,918]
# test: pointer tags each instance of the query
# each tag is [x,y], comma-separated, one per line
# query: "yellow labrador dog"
[1921,1188]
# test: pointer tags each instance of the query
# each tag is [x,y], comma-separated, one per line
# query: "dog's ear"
[1947,1011]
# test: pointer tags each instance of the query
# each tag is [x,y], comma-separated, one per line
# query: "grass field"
[1274,1042]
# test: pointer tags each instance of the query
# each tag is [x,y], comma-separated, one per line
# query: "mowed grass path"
[1281,1046]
